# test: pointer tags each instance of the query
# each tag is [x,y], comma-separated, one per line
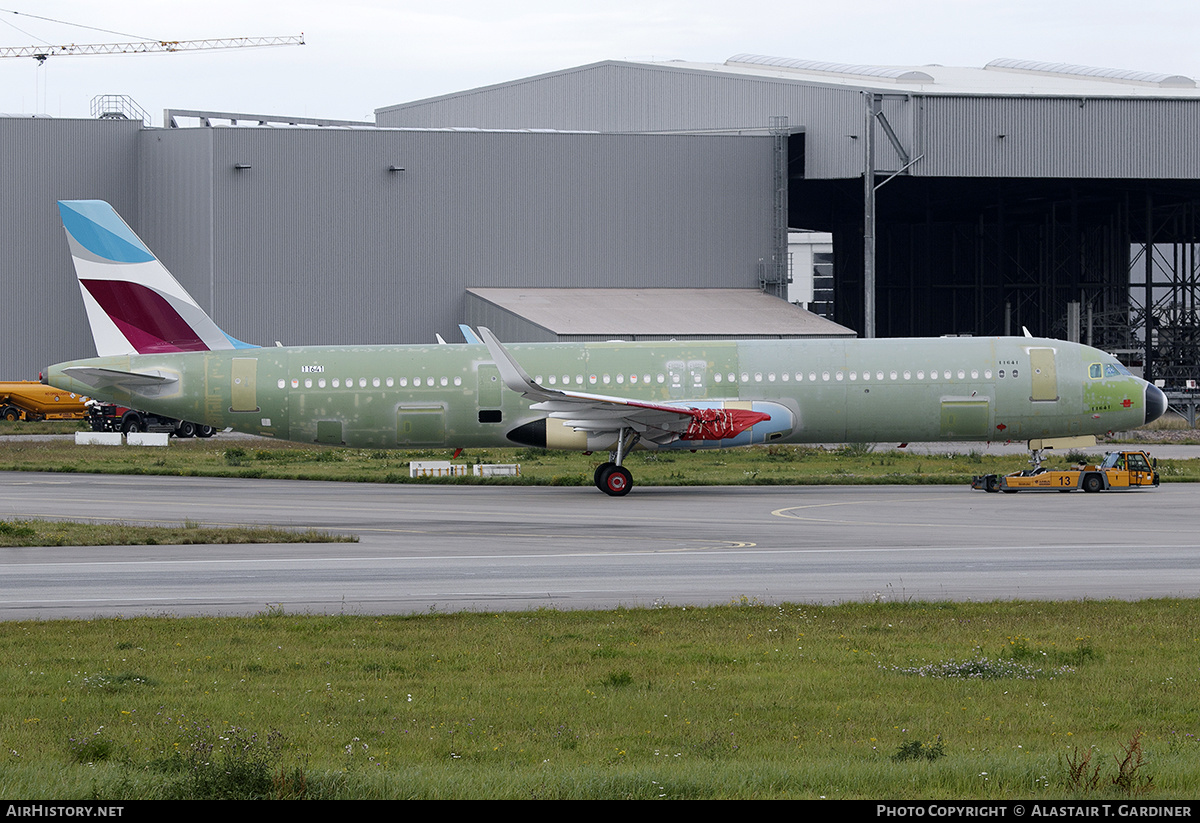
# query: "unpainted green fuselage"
[453,396]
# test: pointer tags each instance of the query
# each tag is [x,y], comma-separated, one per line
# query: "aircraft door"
[1045,375]
[697,378]
[489,386]
[677,378]
[244,387]
[420,425]
[965,417]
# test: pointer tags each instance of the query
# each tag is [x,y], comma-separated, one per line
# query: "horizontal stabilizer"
[99,378]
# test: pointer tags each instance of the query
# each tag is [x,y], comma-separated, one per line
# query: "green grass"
[15,427]
[896,700]
[14,533]
[768,465]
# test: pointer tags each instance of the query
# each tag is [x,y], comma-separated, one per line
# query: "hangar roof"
[1000,77]
[1004,76]
[660,313]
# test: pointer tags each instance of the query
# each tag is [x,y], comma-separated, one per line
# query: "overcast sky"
[365,54]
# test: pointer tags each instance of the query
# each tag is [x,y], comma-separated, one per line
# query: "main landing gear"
[612,478]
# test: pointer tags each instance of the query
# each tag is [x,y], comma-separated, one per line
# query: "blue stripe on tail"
[97,228]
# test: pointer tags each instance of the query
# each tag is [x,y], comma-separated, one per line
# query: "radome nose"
[1156,402]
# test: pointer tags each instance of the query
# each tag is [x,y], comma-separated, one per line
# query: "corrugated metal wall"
[1136,138]
[42,160]
[1096,137]
[318,242]
[615,96]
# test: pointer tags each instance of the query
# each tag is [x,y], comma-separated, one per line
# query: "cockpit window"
[1095,371]
[1115,370]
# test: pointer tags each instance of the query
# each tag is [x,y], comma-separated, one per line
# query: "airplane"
[159,351]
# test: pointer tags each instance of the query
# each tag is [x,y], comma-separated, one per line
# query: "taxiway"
[489,548]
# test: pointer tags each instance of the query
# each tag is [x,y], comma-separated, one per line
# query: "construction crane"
[41,53]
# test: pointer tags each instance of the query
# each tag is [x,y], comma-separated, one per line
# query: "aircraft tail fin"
[134,305]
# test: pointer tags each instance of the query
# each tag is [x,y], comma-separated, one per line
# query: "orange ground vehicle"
[1118,470]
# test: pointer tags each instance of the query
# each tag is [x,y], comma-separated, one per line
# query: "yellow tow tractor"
[1118,470]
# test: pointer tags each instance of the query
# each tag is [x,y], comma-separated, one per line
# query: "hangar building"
[1054,197]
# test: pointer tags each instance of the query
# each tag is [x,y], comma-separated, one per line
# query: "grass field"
[855,463]
[32,533]
[899,700]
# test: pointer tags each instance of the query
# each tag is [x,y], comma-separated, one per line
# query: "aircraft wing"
[597,413]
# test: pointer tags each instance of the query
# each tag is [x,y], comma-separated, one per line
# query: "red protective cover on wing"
[720,424]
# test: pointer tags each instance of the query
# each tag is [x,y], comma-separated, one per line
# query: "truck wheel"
[132,423]
[1092,483]
[991,484]
[10,413]
[205,431]
[185,429]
